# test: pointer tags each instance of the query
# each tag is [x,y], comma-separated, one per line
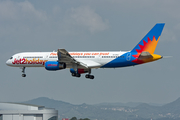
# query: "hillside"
[112,111]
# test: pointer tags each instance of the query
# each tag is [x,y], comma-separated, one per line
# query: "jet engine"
[54,65]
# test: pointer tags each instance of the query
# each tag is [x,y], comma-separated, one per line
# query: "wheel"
[91,77]
[23,75]
[73,74]
[78,75]
[87,76]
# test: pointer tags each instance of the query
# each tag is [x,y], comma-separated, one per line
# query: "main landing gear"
[89,76]
[76,75]
[79,75]
[23,71]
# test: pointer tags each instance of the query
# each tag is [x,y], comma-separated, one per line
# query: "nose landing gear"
[23,71]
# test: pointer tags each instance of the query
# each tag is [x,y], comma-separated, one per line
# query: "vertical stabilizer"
[149,42]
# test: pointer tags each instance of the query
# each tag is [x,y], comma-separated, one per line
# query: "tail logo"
[148,46]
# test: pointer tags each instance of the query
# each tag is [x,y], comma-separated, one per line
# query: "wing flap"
[91,64]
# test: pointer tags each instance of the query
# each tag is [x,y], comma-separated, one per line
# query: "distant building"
[16,111]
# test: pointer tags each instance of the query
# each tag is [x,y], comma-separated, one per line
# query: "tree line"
[74,118]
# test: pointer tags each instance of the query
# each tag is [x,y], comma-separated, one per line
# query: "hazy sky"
[89,25]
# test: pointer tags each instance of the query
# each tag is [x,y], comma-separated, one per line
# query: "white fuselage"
[38,59]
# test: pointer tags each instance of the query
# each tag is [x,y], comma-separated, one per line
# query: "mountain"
[129,104]
[61,106]
[172,108]
[112,111]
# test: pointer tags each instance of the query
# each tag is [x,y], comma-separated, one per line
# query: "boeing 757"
[83,62]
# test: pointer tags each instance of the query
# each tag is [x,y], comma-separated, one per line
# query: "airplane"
[83,62]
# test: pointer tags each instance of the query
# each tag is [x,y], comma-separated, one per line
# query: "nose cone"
[8,63]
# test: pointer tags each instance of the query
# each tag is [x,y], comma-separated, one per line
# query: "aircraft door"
[128,57]
[99,58]
[46,56]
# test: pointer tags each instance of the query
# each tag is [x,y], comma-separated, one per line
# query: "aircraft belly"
[71,65]
[28,65]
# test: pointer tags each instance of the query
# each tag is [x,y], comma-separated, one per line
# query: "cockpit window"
[11,57]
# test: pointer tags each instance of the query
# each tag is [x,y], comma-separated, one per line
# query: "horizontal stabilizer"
[145,55]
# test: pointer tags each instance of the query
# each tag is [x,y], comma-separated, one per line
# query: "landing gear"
[77,72]
[23,75]
[89,76]
[73,74]
[76,75]
[23,71]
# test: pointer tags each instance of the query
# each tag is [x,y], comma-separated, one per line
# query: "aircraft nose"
[8,62]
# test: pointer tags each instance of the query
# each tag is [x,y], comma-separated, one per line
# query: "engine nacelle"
[80,71]
[54,65]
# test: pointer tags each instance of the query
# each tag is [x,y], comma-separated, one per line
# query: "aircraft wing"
[64,56]
[91,64]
